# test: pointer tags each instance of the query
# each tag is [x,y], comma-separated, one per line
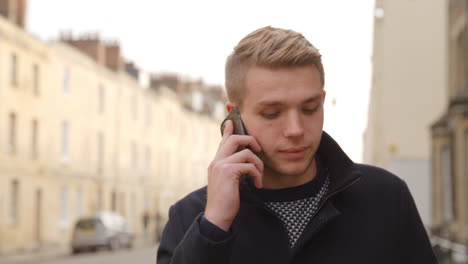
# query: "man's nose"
[294,125]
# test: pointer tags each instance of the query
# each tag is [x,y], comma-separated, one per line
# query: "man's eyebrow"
[312,99]
[279,103]
[270,103]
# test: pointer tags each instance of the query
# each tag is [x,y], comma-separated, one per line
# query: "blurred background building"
[85,131]
[407,92]
[418,112]
[450,143]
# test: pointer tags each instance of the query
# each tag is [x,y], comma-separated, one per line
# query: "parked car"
[104,230]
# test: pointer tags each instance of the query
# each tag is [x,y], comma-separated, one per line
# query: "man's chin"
[291,169]
[285,167]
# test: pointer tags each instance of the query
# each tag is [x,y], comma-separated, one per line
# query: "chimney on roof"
[113,58]
[14,11]
[89,44]
[107,55]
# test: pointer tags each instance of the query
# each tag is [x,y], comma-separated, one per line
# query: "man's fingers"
[233,142]
[246,156]
[228,129]
[250,169]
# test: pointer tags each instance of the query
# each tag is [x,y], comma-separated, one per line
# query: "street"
[139,255]
[145,254]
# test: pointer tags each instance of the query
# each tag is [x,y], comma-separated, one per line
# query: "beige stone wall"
[409,79]
[154,151]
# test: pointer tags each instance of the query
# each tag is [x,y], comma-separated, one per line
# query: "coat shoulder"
[192,204]
[375,180]
[376,175]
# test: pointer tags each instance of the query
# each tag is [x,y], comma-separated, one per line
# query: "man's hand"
[224,172]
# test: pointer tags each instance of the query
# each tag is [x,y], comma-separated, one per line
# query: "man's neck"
[275,180]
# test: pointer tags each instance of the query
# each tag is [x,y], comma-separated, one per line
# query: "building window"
[101,99]
[79,203]
[14,202]
[134,107]
[100,206]
[134,157]
[446,166]
[100,152]
[114,201]
[12,133]
[64,206]
[65,140]
[66,81]
[148,114]
[35,79]
[14,70]
[34,139]
[147,166]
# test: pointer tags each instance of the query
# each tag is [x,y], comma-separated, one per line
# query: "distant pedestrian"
[145,220]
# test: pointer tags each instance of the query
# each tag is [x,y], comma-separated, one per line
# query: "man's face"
[283,109]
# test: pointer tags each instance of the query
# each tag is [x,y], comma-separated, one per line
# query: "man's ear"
[229,106]
[323,96]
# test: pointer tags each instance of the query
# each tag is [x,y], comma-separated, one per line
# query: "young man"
[309,202]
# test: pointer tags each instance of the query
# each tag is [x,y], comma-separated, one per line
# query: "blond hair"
[268,47]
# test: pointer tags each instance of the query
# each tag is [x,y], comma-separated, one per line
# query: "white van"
[106,229]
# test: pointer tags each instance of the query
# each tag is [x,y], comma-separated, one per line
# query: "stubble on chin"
[275,168]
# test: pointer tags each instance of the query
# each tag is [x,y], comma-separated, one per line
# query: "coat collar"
[341,169]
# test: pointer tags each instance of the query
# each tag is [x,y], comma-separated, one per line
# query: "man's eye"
[270,115]
[310,110]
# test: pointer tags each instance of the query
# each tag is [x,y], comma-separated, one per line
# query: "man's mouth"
[294,153]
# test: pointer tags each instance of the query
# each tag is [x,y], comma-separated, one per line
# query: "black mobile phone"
[239,129]
[234,116]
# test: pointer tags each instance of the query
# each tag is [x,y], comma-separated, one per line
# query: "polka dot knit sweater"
[296,206]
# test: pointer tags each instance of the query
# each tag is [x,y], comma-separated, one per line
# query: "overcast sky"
[195,37]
